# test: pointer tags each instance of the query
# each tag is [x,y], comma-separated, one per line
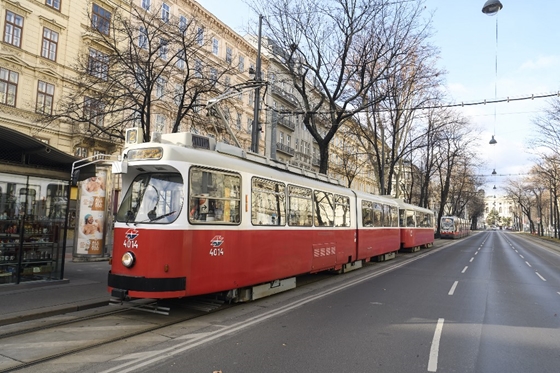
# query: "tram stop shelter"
[34,207]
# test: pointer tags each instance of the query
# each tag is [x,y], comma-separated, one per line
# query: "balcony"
[316,162]
[288,97]
[284,122]
[285,149]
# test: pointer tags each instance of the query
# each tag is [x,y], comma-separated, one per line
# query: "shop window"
[268,202]
[50,44]
[45,96]
[8,86]
[13,29]
[214,197]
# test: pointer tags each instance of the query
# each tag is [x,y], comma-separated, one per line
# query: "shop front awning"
[19,149]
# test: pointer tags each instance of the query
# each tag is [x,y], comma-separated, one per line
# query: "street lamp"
[491,7]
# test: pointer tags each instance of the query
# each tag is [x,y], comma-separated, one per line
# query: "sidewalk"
[84,286]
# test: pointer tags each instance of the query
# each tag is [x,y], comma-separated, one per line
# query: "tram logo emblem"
[131,234]
[217,241]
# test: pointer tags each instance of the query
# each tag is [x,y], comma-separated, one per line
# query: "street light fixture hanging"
[492,7]
[493,141]
[494,172]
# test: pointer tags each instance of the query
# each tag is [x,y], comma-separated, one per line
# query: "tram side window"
[394,215]
[268,202]
[341,211]
[324,209]
[367,214]
[300,211]
[410,221]
[377,215]
[214,197]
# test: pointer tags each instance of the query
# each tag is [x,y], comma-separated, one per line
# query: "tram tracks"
[55,337]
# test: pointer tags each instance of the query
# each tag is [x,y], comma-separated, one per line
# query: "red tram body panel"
[194,221]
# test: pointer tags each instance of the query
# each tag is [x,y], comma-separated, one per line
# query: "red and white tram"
[453,227]
[201,217]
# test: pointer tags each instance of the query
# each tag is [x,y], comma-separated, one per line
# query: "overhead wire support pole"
[255,131]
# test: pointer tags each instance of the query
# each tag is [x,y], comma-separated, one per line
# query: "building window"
[8,86]
[13,29]
[215,46]
[183,24]
[81,152]
[163,49]
[161,124]
[198,68]
[200,36]
[45,96]
[241,65]
[53,4]
[178,94]
[93,111]
[98,64]
[181,57]
[146,4]
[165,12]
[213,75]
[50,43]
[238,121]
[160,87]
[143,37]
[249,125]
[229,55]
[100,19]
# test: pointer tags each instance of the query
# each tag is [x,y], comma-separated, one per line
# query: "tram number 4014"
[216,252]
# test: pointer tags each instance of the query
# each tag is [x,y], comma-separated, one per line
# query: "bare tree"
[547,133]
[520,192]
[455,166]
[335,50]
[140,67]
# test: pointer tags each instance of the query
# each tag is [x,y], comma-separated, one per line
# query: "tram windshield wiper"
[154,218]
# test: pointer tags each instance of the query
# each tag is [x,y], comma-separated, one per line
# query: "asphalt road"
[488,303]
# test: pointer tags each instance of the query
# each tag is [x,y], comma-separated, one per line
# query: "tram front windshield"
[152,198]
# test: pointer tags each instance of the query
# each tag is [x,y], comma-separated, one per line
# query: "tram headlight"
[128,259]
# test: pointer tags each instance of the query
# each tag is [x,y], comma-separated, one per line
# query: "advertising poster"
[89,230]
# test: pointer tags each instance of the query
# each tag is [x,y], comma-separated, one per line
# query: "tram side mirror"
[75,177]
